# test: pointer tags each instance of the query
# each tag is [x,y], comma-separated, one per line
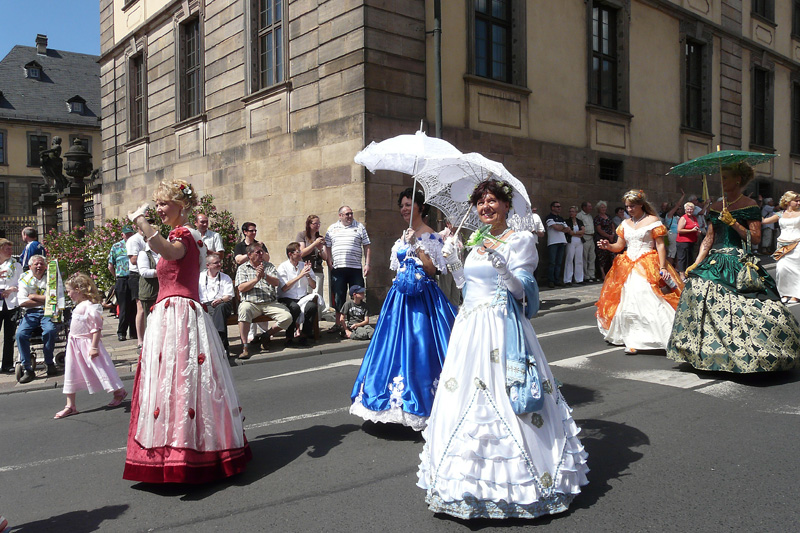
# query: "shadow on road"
[74,521]
[758,379]
[549,303]
[395,432]
[611,452]
[578,395]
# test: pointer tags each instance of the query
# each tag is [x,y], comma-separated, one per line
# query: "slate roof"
[63,76]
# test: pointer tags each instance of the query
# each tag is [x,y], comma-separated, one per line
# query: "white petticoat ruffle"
[395,415]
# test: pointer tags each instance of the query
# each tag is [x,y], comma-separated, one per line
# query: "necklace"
[737,199]
[637,220]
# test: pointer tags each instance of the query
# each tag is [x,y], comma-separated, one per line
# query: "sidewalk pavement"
[125,355]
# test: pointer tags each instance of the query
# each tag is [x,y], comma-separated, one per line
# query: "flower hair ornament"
[186,190]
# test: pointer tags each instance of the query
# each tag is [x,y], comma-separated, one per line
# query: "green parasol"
[712,163]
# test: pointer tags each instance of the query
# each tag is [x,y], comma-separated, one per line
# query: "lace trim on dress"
[431,244]
[390,416]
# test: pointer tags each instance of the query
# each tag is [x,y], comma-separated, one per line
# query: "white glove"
[454,265]
[450,250]
[511,282]
[139,212]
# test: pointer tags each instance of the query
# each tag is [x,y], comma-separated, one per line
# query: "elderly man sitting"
[257,281]
[295,278]
[31,297]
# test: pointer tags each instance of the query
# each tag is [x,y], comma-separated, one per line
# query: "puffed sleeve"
[522,251]
[431,244]
[183,235]
[394,264]
[94,317]
[620,231]
[659,231]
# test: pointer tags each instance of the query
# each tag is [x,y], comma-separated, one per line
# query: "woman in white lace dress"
[641,291]
[481,459]
[787,271]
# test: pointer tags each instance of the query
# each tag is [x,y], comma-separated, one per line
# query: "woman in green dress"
[717,326]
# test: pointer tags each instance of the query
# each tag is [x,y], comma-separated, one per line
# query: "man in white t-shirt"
[344,242]
[211,239]
[133,246]
[295,278]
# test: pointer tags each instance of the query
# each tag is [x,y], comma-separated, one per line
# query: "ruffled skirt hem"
[470,508]
[389,416]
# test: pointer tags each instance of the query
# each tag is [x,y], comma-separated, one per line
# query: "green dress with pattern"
[720,328]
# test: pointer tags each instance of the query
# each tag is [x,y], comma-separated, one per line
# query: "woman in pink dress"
[88,365]
[186,423]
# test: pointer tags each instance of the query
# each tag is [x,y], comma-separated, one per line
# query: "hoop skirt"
[400,371]
[186,422]
[718,327]
[632,311]
[480,459]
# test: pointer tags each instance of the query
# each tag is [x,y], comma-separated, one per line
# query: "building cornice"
[719,30]
[157,18]
[34,122]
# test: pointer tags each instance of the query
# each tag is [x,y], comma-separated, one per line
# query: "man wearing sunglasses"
[257,281]
[240,250]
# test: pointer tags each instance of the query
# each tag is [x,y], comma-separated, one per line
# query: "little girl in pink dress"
[88,365]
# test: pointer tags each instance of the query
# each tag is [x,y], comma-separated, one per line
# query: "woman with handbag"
[500,441]
[730,317]
[787,253]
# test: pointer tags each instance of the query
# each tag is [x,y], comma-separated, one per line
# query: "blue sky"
[70,25]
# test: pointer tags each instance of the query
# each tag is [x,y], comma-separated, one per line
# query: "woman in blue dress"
[400,371]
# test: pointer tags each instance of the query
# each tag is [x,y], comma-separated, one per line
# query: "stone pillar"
[72,214]
[46,212]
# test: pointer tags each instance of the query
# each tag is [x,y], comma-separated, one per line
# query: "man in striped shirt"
[344,242]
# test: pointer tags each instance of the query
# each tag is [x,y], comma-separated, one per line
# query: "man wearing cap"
[118,265]
[356,317]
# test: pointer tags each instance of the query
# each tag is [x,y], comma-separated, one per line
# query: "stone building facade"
[264,103]
[44,93]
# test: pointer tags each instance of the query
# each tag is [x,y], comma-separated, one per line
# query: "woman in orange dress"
[641,291]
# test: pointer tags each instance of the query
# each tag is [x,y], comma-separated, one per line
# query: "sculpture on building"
[51,166]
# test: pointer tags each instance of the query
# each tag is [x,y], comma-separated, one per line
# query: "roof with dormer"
[63,76]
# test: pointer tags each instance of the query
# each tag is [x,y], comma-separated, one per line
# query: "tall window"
[36,143]
[796,17]
[693,116]
[137,97]
[764,8]
[762,108]
[3,148]
[796,118]
[268,61]
[603,82]
[191,68]
[36,190]
[3,202]
[493,39]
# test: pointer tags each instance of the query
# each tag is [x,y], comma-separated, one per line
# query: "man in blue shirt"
[32,246]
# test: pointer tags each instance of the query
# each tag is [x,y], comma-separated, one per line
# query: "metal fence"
[11,228]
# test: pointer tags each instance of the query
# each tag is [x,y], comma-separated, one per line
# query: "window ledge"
[593,108]
[479,80]
[269,91]
[764,149]
[698,133]
[190,121]
[763,19]
[128,4]
[136,142]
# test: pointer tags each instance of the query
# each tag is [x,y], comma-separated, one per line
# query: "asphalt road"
[670,449]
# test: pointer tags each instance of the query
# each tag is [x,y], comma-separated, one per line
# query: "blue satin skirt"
[400,371]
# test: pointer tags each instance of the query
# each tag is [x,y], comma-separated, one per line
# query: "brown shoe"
[245,353]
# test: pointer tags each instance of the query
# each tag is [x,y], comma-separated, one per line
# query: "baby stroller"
[59,350]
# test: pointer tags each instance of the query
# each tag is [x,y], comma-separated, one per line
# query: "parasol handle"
[721,184]
[463,220]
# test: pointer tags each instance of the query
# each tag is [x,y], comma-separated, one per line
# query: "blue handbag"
[522,377]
